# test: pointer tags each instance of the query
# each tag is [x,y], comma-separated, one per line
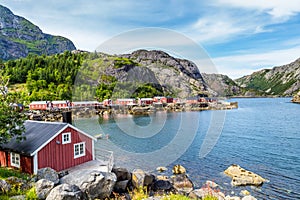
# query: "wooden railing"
[106,157]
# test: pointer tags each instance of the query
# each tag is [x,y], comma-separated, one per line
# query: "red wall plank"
[61,156]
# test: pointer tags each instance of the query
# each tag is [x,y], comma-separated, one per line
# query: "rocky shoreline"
[296,98]
[120,183]
[57,115]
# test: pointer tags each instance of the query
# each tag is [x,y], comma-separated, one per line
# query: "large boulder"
[121,186]
[182,184]
[138,178]
[48,174]
[66,192]
[203,192]
[122,174]
[43,188]
[161,185]
[243,177]
[94,183]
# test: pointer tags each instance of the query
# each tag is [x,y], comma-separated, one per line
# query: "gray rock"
[162,185]
[203,192]
[48,174]
[122,174]
[4,186]
[138,178]
[248,197]
[66,192]
[182,184]
[43,188]
[18,197]
[94,183]
[149,179]
[121,186]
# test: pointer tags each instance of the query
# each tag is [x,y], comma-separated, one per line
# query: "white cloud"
[239,65]
[278,9]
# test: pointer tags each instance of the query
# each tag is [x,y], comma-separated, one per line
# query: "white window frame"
[62,138]
[13,157]
[77,145]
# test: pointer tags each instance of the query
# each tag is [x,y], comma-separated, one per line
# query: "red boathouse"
[48,144]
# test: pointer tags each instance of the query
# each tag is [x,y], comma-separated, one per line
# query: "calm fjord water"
[262,135]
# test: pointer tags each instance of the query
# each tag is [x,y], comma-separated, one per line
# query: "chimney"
[67,117]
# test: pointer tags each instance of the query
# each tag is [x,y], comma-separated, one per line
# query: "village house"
[126,102]
[48,144]
[145,101]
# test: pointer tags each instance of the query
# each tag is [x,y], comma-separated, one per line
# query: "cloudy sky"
[239,36]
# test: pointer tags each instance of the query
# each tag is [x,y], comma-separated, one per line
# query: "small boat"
[101,136]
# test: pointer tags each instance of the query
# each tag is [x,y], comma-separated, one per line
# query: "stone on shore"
[249,197]
[94,183]
[122,174]
[178,169]
[66,192]
[203,192]
[43,188]
[138,178]
[242,177]
[161,169]
[182,184]
[48,174]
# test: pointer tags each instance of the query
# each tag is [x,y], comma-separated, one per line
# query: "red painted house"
[48,144]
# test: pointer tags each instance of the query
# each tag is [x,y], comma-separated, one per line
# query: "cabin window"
[79,150]
[15,159]
[66,138]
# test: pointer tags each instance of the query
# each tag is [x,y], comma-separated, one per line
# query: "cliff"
[19,37]
[282,80]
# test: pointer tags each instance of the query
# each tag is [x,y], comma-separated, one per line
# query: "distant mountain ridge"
[19,37]
[282,80]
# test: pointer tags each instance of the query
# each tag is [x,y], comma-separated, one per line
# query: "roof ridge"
[44,122]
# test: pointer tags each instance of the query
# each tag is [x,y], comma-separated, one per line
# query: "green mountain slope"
[283,80]
[19,37]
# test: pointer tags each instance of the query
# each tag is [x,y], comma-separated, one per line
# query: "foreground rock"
[182,184]
[66,192]
[48,174]
[43,188]
[203,192]
[94,183]
[242,177]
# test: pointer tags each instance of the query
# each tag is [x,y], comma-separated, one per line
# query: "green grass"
[7,172]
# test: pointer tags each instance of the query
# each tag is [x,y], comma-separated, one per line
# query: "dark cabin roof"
[37,133]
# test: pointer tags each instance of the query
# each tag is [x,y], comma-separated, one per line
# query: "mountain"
[282,80]
[19,37]
[222,84]
[154,72]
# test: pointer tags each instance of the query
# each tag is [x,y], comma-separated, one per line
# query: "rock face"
[48,174]
[222,84]
[94,183]
[173,74]
[283,80]
[242,177]
[19,37]
[296,98]
[66,192]
[43,188]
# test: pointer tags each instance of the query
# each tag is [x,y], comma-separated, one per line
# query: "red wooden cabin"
[48,144]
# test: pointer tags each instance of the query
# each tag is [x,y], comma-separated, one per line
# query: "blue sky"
[239,36]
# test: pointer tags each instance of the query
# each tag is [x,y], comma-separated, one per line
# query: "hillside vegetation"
[91,76]
[283,80]
[19,37]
